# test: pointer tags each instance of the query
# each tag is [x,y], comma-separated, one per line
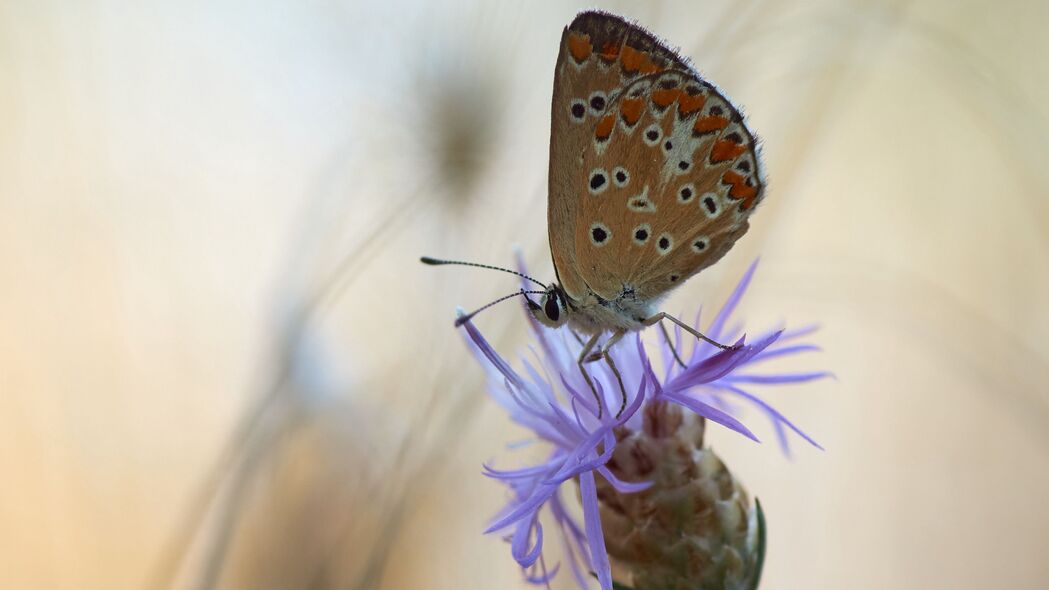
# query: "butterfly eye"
[553,312]
[699,245]
[620,176]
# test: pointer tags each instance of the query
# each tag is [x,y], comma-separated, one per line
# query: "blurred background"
[221,364]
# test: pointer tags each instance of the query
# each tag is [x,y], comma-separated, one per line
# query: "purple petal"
[587,403]
[711,413]
[784,378]
[657,389]
[573,538]
[623,487]
[575,413]
[718,401]
[525,473]
[544,424]
[708,370]
[492,356]
[519,543]
[530,506]
[574,464]
[567,522]
[717,366]
[795,349]
[541,381]
[732,301]
[781,437]
[774,414]
[569,429]
[799,332]
[594,534]
[639,398]
[544,578]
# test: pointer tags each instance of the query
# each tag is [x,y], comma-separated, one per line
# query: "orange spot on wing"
[650,68]
[579,46]
[726,150]
[609,51]
[739,189]
[632,59]
[604,128]
[631,109]
[665,97]
[687,105]
[708,124]
[637,61]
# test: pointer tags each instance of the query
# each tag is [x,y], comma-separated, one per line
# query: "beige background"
[221,364]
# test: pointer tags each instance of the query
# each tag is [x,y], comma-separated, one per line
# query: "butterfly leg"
[670,343]
[576,336]
[583,354]
[603,353]
[663,315]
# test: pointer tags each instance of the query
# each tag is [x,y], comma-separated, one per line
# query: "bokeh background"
[221,364]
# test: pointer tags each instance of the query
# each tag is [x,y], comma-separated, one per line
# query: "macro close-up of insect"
[653,177]
[735,283]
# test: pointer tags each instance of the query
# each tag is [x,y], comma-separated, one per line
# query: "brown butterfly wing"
[600,55]
[681,176]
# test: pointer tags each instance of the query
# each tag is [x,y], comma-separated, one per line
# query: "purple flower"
[551,398]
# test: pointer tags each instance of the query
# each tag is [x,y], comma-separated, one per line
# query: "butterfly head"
[552,310]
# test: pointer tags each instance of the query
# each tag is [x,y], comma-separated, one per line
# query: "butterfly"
[653,177]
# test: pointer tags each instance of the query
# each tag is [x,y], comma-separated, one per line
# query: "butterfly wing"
[680,176]
[600,55]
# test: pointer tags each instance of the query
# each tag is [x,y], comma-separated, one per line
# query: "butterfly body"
[592,314]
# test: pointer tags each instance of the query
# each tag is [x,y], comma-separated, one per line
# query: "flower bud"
[694,528]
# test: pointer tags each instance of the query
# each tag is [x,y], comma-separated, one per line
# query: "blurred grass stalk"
[309,491]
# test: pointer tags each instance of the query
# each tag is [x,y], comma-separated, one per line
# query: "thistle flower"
[663,507]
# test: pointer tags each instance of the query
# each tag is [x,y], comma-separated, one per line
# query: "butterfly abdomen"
[593,314]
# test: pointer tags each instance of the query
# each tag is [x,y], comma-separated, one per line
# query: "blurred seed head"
[442,103]
[461,120]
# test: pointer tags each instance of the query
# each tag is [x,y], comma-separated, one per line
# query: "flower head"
[551,398]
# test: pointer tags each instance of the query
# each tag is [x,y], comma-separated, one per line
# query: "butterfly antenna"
[465,318]
[436,262]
